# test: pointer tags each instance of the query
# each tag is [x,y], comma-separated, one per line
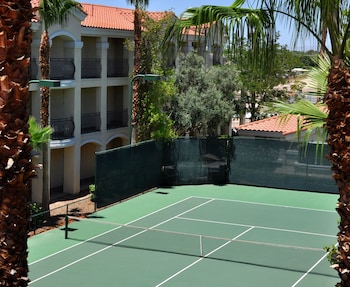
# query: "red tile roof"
[99,16]
[107,17]
[272,124]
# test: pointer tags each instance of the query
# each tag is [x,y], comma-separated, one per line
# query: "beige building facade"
[90,110]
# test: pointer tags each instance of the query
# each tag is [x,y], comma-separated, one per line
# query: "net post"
[66,224]
[201,245]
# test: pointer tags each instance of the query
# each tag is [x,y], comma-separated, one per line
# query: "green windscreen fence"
[195,161]
[129,170]
[280,164]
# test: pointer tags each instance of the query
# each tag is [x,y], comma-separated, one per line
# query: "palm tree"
[309,17]
[16,167]
[140,5]
[51,12]
[312,116]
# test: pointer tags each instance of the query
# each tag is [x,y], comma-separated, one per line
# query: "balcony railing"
[117,68]
[33,71]
[90,122]
[62,69]
[63,128]
[90,68]
[117,119]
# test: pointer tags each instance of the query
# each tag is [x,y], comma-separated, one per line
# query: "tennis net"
[262,254]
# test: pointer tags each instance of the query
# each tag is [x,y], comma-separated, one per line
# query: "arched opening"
[87,164]
[116,142]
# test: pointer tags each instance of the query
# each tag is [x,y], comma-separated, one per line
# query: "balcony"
[33,70]
[62,69]
[118,68]
[90,122]
[63,128]
[117,119]
[90,68]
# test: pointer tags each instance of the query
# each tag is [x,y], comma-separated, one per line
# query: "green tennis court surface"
[194,236]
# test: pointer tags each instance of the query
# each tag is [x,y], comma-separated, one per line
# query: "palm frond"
[228,25]
[38,135]
[311,120]
[317,77]
[303,108]
[56,11]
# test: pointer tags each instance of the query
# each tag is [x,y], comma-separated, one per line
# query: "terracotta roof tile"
[272,124]
[108,17]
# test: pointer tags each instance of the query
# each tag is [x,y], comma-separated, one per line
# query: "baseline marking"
[266,204]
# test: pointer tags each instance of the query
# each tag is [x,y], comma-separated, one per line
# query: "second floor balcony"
[90,68]
[117,68]
[62,69]
[90,122]
[34,68]
[63,128]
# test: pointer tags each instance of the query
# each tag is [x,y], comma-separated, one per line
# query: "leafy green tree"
[51,12]
[311,18]
[259,84]
[206,96]
[154,121]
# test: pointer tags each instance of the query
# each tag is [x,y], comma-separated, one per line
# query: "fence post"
[66,224]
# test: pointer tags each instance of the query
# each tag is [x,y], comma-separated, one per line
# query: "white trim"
[90,140]
[64,33]
[57,144]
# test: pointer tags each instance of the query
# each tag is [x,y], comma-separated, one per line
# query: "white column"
[102,93]
[71,182]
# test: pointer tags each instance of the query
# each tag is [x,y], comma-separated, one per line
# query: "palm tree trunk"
[136,101]
[16,167]
[45,74]
[338,126]
[44,114]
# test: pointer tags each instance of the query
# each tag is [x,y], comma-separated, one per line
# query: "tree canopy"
[205,98]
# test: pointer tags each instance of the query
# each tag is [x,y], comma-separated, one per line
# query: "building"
[90,109]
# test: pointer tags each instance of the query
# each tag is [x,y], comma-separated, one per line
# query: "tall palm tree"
[51,12]
[16,167]
[140,5]
[309,18]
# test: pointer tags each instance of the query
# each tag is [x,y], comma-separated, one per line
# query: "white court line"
[309,271]
[200,259]
[267,204]
[116,243]
[256,226]
[89,239]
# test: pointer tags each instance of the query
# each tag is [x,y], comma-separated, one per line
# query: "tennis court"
[203,235]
